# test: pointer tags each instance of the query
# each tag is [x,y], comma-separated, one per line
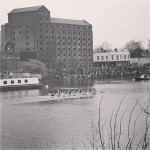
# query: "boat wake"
[60,96]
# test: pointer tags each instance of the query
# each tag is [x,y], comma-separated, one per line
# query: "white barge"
[18,81]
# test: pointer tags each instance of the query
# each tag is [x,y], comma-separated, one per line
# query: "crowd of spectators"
[112,72]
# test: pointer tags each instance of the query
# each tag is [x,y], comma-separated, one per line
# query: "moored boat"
[142,77]
[18,81]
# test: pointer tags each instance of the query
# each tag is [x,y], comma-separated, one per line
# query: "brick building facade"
[63,43]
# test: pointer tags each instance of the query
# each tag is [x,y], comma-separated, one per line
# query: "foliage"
[132,45]
[104,46]
[34,66]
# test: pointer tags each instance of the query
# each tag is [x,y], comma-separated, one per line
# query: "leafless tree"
[115,132]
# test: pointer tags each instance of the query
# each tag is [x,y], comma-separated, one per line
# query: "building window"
[106,57]
[27,43]
[26,81]
[27,49]
[19,32]
[4,82]
[26,25]
[13,33]
[102,57]
[19,81]
[124,56]
[117,57]
[13,38]
[20,26]
[26,31]
[27,37]
[12,81]
[97,57]
[112,57]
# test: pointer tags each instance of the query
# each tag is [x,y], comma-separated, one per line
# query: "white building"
[140,61]
[102,59]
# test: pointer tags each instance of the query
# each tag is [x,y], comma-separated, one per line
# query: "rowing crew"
[69,92]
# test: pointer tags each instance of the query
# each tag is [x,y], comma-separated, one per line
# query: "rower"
[52,95]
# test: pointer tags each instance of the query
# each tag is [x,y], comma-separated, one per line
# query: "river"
[27,123]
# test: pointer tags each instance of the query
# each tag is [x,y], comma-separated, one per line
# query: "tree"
[132,45]
[109,133]
[104,46]
[34,66]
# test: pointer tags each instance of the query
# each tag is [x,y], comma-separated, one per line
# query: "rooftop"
[26,9]
[70,21]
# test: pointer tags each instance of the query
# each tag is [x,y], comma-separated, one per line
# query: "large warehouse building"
[54,41]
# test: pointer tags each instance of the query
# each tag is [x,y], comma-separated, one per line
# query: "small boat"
[142,77]
[19,81]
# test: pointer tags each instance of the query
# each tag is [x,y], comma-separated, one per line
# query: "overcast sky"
[115,21]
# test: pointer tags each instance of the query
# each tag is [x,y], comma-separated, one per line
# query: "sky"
[114,21]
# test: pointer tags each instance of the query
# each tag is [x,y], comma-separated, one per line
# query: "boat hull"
[139,78]
[20,87]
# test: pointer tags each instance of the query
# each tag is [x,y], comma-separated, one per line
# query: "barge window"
[26,81]
[5,82]
[12,81]
[19,81]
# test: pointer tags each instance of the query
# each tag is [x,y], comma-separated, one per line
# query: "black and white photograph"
[75,75]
